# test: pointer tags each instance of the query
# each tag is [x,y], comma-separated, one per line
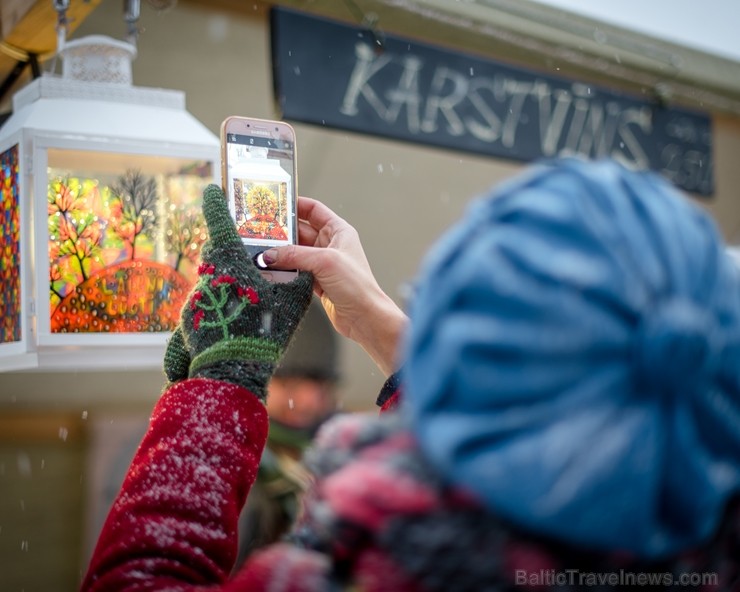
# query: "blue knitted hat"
[574,359]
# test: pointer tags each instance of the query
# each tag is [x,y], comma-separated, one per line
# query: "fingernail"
[269,256]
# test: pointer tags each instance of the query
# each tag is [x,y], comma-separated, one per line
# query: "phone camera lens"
[259,261]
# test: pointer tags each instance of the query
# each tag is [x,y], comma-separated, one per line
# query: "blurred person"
[567,396]
[302,395]
[302,392]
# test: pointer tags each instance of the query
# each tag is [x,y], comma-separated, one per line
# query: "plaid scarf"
[378,519]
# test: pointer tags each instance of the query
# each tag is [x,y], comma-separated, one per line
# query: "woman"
[570,416]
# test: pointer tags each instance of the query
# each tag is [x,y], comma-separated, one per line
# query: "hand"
[330,249]
[235,324]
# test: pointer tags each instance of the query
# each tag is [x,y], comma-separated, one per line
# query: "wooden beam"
[30,25]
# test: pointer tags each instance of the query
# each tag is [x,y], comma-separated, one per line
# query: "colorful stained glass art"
[10,257]
[123,247]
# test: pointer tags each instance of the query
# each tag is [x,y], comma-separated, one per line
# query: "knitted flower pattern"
[209,302]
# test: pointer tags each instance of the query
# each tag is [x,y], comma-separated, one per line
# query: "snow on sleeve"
[174,523]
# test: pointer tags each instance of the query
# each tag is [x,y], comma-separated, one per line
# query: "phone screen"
[261,189]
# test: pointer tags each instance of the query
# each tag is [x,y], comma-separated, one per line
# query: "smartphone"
[258,175]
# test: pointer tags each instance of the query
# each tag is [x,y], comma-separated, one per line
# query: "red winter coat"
[173,525]
[377,519]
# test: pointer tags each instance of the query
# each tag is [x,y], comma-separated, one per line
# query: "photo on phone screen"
[260,186]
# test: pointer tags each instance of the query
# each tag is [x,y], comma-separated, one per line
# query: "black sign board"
[330,74]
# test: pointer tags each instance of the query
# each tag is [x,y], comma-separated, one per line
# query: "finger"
[307,234]
[316,214]
[221,226]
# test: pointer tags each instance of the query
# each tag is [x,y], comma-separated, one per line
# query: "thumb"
[176,357]
[303,258]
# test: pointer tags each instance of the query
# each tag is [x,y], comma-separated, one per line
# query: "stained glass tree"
[134,207]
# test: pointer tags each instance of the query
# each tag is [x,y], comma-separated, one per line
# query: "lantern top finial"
[98,58]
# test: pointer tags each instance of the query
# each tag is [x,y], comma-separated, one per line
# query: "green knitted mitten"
[235,324]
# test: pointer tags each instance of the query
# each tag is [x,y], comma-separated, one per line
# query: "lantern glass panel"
[10,259]
[125,233]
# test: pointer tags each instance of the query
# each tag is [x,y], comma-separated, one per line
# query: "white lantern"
[100,217]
